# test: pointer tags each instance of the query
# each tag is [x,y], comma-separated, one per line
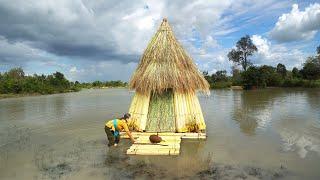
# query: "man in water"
[113,128]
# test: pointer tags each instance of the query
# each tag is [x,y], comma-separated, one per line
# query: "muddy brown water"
[260,134]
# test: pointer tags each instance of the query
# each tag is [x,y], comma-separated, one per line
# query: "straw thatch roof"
[165,64]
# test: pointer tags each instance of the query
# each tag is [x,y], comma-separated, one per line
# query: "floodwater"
[258,134]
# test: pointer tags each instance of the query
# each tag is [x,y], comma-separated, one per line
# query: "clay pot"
[155,138]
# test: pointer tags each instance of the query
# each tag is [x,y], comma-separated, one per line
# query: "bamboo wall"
[139,111]
[187,112]
[189,117]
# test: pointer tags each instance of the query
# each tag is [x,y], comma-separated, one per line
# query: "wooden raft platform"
[169,146]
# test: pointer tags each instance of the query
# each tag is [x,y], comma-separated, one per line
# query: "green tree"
[281,69]
[59,76]
[311,68]
[236,76]
[16,73]
[97,84]
[269,76]
[295,73]
[15,81]
[244,49]
[207,76]
[219,76]
[252,77]
[12,81]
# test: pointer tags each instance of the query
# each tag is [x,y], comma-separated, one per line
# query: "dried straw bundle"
[165,64]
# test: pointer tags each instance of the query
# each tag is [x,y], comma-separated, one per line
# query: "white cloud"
[297,25]
[210,42]
[103,71]
[73,69]
[213,61]
[273,54]
[263,46]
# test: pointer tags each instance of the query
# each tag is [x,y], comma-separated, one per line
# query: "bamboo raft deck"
[169,146]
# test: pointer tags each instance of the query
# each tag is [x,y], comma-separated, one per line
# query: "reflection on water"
[286,109]
[302,143]
[300,137]
[313,99]
[42,137]
[252,109]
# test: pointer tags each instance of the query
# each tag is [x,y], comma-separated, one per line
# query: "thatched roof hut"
[165,82]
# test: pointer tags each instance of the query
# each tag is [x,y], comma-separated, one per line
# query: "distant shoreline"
[6,96]
[12,95]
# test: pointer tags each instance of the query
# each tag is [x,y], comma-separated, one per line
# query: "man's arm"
[131,137]
[128,132]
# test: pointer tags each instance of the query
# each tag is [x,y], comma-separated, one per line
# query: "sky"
[104,39]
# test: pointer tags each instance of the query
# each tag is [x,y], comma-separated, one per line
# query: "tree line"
[101,84]
[15,81]
[251,76]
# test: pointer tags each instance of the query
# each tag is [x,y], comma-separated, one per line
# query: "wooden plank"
[169,146]
[163,137]
[154,147]
[156,152]
[159,144]
[193,137]
[148,152]
[153,151]
[162,142]
[182,135]
[144,147]
[163,134]
[175,152]
[131,151]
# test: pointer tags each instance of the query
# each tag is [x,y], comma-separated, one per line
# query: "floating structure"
[165,83]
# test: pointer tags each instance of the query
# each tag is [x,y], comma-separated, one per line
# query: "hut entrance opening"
[161,117]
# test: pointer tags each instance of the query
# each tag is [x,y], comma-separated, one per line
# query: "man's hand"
[131,137]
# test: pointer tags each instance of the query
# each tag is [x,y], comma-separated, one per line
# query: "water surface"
[62,137]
